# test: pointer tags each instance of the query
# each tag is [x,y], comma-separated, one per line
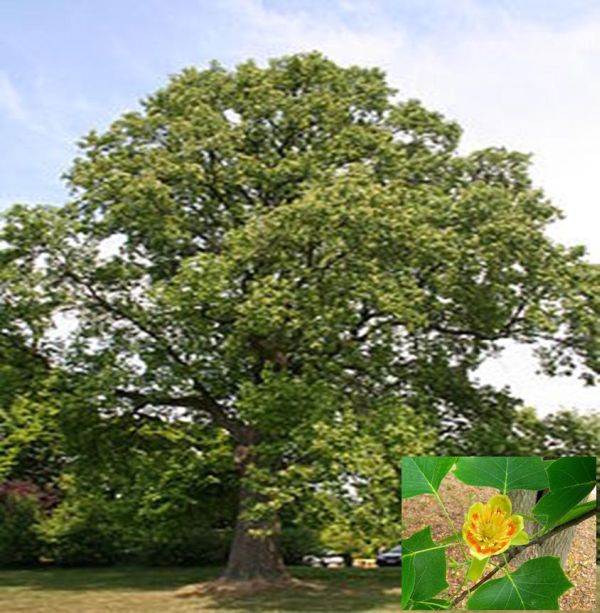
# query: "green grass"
[134,589]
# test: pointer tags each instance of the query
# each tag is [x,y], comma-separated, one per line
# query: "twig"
[517,550]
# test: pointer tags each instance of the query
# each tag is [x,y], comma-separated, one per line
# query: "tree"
[20,513]
[31,443]
[168,501]
[267,249]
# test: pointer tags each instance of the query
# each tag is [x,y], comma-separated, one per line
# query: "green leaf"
[423,475]
[571,480]
[578,511]
[504,474]
[423,567]
[433,604]
[537,584]
[529,517]
[456,537]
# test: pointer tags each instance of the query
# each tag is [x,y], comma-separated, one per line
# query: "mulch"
[422,511]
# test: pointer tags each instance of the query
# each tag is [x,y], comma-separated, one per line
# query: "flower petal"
[522,538]
[475,511]
[477,554]
[515,525]
[500,502]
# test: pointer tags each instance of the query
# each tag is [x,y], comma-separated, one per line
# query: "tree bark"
[522,502]
[254,557]
[559,545]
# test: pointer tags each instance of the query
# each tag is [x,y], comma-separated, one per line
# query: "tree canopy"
[275,251]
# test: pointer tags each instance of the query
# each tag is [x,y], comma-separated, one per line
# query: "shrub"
[299,541]
[179,545]
[80,532]
[20,513]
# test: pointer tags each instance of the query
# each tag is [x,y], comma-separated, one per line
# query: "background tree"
[31,446]
[168,500]
[265,250]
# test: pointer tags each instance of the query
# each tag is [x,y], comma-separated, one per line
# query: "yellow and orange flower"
[491,528]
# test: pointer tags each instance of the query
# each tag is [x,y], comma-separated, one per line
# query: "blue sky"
[513,72]
[67,66]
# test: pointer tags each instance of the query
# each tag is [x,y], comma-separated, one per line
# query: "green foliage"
[163,515]
[20,544]
[81,532]
[561,434]
[572,433]
[505,474]
[571,480]
[182,545]
[433,604]
[556,435]
[424,475]
[537,584]
[577,511]
[31,441]
[355,462]
[168,498]
[423,569]
[298,541]
[152,492]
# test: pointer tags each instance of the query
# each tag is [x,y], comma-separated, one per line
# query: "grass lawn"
[134,589]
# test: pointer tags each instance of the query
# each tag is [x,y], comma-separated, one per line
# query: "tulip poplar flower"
[491,529]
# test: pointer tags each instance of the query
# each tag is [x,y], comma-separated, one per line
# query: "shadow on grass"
[110,578]
[323,590]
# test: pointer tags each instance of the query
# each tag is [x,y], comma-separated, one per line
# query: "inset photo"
[499,533]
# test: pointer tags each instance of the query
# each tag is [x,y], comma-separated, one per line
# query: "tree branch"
[504,332]
[517,550]
[203,401]
[120,313]
[199,402]
[13,343]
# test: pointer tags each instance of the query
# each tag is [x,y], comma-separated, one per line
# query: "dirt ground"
[422,511]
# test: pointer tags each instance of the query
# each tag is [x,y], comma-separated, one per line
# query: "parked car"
[328,559]
[393,557]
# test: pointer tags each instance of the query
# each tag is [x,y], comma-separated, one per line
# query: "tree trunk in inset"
[255,553]
[559,545]
[522,502]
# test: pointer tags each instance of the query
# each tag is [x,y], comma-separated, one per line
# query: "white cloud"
[517,369]
[535,89]
[44,114]
[532,87]
[10,101]
[271,32]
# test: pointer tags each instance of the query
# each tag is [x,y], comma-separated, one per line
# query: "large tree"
[277,250]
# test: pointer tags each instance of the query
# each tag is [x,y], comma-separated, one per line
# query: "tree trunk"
[522,502]
[254,557]
[559,545]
